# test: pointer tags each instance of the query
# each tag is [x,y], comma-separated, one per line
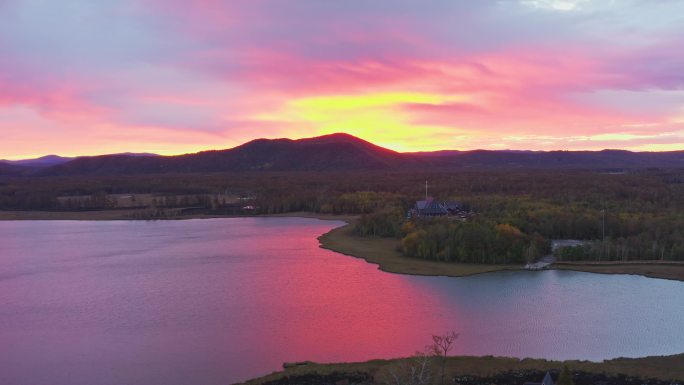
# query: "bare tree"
[419,369]
[442,345]
[416,370]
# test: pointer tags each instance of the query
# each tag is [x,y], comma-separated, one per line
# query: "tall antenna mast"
[426,194]
[603,225]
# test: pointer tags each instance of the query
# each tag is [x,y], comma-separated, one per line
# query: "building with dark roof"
[431,207]
[453,207]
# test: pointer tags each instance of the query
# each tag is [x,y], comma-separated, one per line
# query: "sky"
[85,77]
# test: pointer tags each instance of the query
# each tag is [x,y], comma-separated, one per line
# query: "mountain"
[9,169]
[45,161]
[53,160]
[605,159]
[336,152]
[343,152]
[136,154]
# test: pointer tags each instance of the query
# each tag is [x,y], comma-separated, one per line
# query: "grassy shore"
[385,253]
[663,368]
[130,214]
[653,269]
[103,215]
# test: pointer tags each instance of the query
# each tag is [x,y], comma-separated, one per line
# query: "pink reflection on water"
[219,301]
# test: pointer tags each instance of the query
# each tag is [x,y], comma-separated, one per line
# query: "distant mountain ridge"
[43,161]
[10,169]
[335,152]
[52,160]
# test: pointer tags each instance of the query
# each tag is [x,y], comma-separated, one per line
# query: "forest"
[628,215]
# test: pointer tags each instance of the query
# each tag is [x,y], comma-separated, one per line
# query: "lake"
[217,301]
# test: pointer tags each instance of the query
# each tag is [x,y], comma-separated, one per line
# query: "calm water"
[219,301]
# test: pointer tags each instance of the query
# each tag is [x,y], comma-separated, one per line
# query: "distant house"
[431,207]
[546,381]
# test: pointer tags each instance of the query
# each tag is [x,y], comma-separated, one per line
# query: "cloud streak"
[167,76]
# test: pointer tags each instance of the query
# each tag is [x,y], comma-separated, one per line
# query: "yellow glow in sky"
[376,117]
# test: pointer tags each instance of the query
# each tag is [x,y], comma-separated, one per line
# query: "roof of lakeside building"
[430,207]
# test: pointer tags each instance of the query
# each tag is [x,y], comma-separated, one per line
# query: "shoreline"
[382,252]
[665,368]
[670,270]
[128,215]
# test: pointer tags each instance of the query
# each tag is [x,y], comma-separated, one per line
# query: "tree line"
[638,214]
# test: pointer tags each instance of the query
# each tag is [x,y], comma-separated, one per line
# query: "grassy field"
[385,253]
[653,269]
[664,368]
[103,215]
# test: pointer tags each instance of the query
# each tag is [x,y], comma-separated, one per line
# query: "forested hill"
[9,169]
[342,152]
[338,152]
[44,161]
[605,159]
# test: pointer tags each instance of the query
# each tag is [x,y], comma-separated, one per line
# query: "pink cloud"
[210,69]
